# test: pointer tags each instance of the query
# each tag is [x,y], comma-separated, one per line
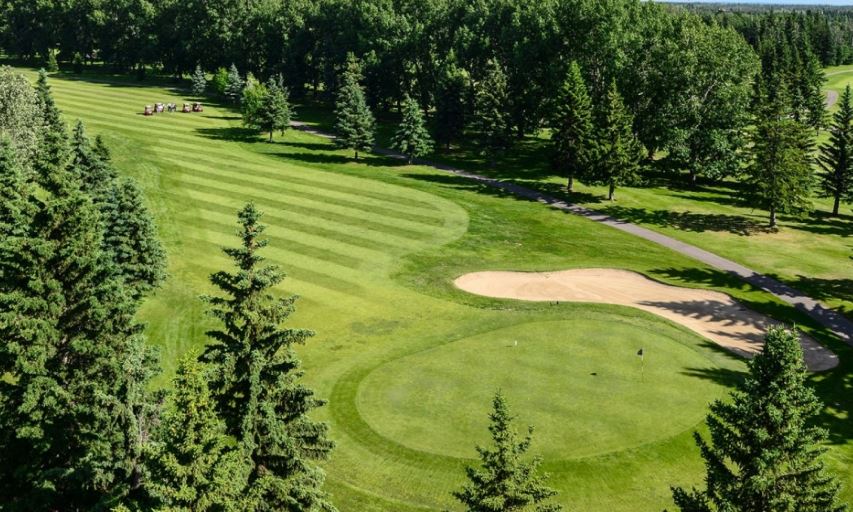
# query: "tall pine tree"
[779,177]
[412,138]
[256,381]
[504,482]
[836,156]
[491,114]
[571,128]
[354,123]
[233,85]
[617,151]
[191,463]
[765,452]
[199,81]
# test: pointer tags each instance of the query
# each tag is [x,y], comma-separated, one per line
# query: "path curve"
[714,315]
[832,320]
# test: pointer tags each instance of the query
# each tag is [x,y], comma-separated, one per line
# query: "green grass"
[811,253]
[372,248]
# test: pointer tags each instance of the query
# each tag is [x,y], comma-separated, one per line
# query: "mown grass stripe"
[72,102]
[292,264]
[260,173]
[348,233]
[297,246]
[246,179]
[391,225]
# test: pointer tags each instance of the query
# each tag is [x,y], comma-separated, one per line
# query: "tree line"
[662,82]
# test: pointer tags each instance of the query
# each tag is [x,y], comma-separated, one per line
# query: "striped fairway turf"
[371,248]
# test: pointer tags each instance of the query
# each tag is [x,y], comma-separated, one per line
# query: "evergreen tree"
[354,123]
[571,125]
[51,63]
[491,118]
[74,399]
[274,113]
[412,138]
[199,81]
[190,463]
[617,151]
[52,151]
[95,174]
[233,85]
[450,106]
[836,156]
[764,452]
[504,482]
[814,98]
[256,381]
[20,114]
[779,177]
[130,238]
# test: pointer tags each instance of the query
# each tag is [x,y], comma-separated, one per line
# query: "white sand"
[714,315]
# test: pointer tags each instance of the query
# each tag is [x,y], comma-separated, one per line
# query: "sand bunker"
[714,315]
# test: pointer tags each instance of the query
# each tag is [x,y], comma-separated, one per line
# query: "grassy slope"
[372,248]
[811,253]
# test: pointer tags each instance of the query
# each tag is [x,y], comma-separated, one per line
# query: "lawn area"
[407,361]
[813,253]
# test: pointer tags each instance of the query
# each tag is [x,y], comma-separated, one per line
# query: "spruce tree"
[491,116]
[504,482]
[130,238]
[764,452]
[74,399]
[836,156]
[52,151]
[199,81]
[190,463]
[814,98]
[256,381]
[233,85]
[450,106]
[412,138]
[571,128]
[95,174]
[779,176]
[354,123]
[275,111]
[617,151]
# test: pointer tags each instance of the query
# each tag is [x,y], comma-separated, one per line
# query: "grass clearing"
[372,248]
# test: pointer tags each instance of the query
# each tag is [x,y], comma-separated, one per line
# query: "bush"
[220,81]
[51,64]
[77,63]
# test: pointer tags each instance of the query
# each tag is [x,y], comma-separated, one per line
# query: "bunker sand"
[714,315]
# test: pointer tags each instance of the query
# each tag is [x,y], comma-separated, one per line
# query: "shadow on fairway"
[686,221]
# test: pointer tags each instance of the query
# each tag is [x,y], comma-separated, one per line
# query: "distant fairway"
[407,361]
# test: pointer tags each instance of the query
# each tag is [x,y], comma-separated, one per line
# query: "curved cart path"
[714,315]
[832,320]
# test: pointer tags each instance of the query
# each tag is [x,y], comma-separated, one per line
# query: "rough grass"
[372,247]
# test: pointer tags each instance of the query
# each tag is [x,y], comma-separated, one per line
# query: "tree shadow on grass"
[722,376]
[231,133]
[326,158]
[312,146]
[687,221]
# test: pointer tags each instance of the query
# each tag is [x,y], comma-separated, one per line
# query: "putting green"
[580,382]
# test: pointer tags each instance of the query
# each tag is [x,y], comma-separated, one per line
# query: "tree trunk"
[410,159]
[836,204]
[693,176]
[270,134]
[611,191]
[570,184]
[356,154]
[772,216]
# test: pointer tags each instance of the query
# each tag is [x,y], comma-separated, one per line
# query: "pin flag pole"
[642,355]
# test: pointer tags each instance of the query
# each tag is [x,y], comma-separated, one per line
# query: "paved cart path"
[834,321]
